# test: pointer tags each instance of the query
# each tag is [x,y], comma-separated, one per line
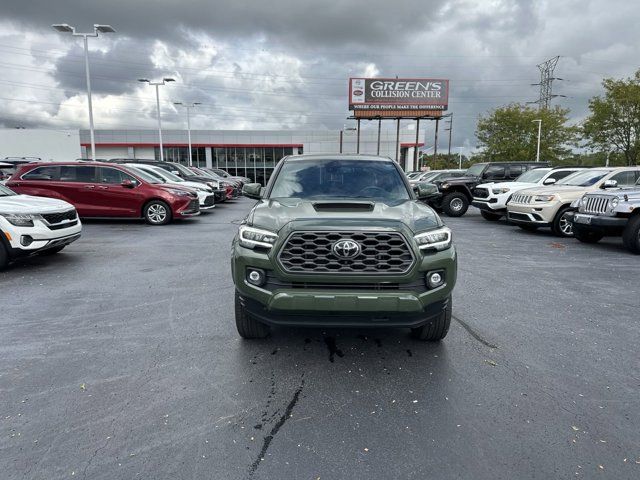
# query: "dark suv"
[341,240]
[457,193]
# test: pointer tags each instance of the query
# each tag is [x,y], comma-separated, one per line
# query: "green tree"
[509,133]
[614,122]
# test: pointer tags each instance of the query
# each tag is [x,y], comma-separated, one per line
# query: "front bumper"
[489,206]
[599,223]
[188,208]
[27,240]
[540,214]
[308,300]
[207,201]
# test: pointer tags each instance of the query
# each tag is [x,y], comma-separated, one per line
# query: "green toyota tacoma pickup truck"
[343,241]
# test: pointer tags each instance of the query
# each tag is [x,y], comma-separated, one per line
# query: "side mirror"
[128,183]
[609,184]
[252,190]
[424,190]
[549,181]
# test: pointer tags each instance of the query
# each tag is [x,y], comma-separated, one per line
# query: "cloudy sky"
[285,63]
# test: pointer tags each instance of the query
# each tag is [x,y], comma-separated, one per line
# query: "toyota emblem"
[346,249]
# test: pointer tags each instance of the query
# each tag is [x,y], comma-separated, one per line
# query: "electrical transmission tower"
[546,82]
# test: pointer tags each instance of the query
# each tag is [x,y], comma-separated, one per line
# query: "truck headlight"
[498,191]
[614,202]
[438,239]
[250,237]
[20,220]
[444,186]
[544,198]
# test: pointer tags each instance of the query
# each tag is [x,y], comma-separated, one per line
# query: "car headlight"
[444,186]
[614,202]
[20,220]
[544,198]
[438,239]
[214,185]
[250,237]
[498,191]
[179,193]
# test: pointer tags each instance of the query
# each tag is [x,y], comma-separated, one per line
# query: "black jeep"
[456,193]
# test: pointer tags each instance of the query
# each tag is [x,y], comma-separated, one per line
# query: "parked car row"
[585,203]
[42,202]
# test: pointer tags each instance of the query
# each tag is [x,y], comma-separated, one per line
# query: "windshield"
[413,175]
[428,176]
[475,170]
[5,192]
[146,176]
[222,173]
[182,169]
[208,174]
[166,175]
[533,176]
[583,178]
[339,179]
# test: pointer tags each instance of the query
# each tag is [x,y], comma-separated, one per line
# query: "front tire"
[437,329]
[4,256]
[631,235]
[157,212]
[562,225]
[455,204]
[248,327]
[492,217]
[587,236]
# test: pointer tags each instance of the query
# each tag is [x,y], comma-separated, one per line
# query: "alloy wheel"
[157,213]
[456,205]
[565,226]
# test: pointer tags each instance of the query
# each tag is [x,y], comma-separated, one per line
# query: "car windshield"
[339,179]
[533,176]
[5,192]
[146,176]
[413,175]
[583,178]
[428,176]
[475,170]
[161,172]
[208,174]
[182,169]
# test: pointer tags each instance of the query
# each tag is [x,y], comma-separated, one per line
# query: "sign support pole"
[341,134]
[398,142]
[435,143]
[379,127]
[358,140]
[415,148]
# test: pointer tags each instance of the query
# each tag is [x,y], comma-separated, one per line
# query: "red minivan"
[99,189]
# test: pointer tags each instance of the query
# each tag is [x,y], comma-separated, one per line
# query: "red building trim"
[214,145]
[411,144]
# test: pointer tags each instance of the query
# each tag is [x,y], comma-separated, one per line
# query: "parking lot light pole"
[97,29]
[539,121]
[157,84]
[188,106]
[460,158]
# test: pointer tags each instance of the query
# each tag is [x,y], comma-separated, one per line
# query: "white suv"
[31,225]
[492,198]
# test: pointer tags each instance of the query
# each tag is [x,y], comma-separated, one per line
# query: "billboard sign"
[398,94]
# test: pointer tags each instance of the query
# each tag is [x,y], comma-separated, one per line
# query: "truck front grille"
[380,252]
[521,198]
[595,204]
[481,193]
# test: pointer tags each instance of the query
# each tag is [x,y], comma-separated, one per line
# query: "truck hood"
[458,180]
[31,204]
[274,214]
[509,185]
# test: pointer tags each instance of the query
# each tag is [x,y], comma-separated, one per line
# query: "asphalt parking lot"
[119,359]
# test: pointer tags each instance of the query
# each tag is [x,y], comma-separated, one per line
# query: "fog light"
[26,240]
[435,279]
[256,276]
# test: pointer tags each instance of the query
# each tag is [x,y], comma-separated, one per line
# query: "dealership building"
[251,153]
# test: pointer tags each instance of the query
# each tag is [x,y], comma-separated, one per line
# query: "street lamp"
[460,158]
[188,107]
[539,132]
[157,84]
[65,28]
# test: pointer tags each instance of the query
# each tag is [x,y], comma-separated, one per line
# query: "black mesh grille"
[53,218]
[481,192]
[380,252]
[209,200]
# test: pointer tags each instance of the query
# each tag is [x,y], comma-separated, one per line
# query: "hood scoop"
[343,206]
